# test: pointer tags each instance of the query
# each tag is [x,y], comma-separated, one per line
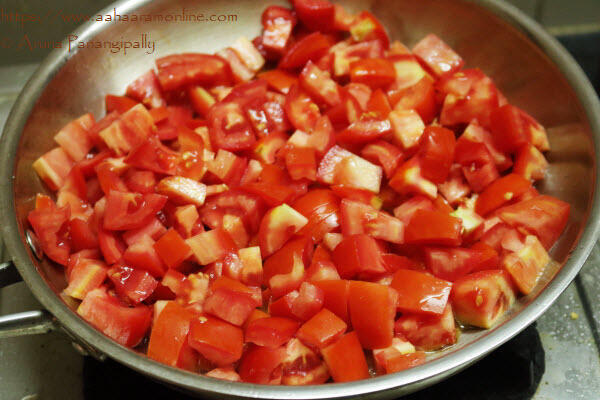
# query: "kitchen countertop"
[49,367]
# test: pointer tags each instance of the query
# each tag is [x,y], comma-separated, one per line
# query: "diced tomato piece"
[125,325]
[182,191]
[301,163]
[428,332]
[408,179]
[379,104]
[230,129]
[132,129]
[385,154]
[500,192]
[111,245]
[227,374]
[284,283]
[119,104]
[142,255]
[261,364]
[530,163]
[153,156]
[433,227]
[513,128]
[282,262]
[345,359]
[367,27]
[527,264]
[278,225]
[85,276]
[436,153]
[178,70]
[360,195]
[322,137]
[543,216]
[131,284]
[319,85]
[82,235]
[155,229]
[450,263]
[74,138]
[53,167]
[341,167]
[323,329]
[125,211]
[231,300]
[364,130]
[358,255]
[309,48]
[172,249]
[146,89]
[218,341]
[372,310]
[420,292]
[51,228]
[419,97]
[437,55]
[399,356]
[270,332]
[277,23]
[321,208]
[211,246]
[302,112]
[481,298]
[302,366]
[315,14]
[169,337]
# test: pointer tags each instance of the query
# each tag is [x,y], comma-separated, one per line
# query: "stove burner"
[512,372]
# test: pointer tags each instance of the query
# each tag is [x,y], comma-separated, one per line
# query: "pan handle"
[23,323]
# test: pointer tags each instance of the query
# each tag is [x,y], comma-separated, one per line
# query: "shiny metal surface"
[543,79]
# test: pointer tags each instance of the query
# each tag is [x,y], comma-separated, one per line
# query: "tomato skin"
[168,338]
[358,254]
[345,359]
[437,153]
[433,227]
[419,292]
[218,341]
[372,310]
[428,332]
[543,216]
[271,332]
[479,299]
[125,325]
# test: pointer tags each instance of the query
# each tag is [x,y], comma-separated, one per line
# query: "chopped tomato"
[168,339]
[437,55]
[270,332]
[125,325]
[358,255]
[501,192]
[372,310]
[428,332]
[220,342]
[420,292]
[309,48]
[345,359]
[543,216]
[51,227]
[375,72]
[481,298]
[433,227]
[125,211]
[134,285]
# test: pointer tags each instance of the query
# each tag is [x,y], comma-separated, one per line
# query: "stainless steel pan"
[530,67]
